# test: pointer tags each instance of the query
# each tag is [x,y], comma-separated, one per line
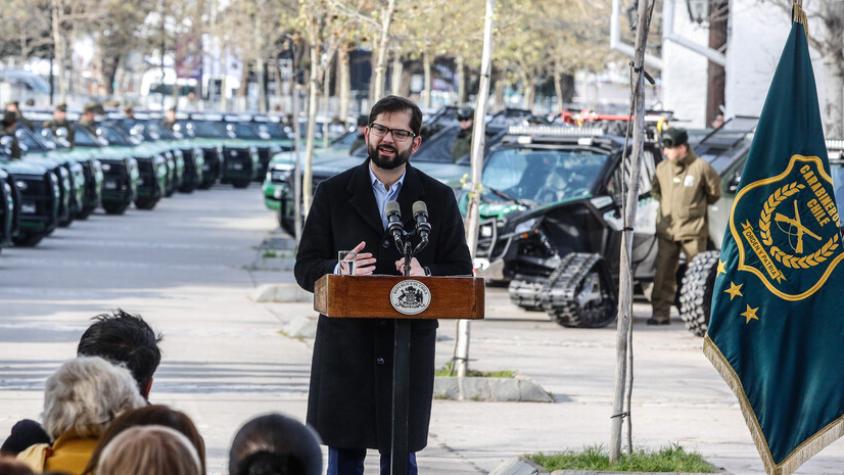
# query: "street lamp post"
[698,10]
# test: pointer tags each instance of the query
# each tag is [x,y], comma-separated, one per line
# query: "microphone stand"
[399,446]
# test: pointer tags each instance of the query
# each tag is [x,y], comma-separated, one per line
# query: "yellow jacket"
[68,454]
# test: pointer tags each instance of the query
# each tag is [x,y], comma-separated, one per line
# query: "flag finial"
[798,15]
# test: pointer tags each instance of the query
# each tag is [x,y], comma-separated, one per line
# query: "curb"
[517,389]
[281,293]
[520,466]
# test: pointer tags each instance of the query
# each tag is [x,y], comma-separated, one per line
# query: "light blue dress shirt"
[383,195]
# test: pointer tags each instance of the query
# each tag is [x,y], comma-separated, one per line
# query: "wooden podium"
[401,299]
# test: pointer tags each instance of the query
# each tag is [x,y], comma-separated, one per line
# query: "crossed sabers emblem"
[794,223]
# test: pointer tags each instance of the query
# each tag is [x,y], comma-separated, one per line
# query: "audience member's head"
[10,466]
[147,416]
[275,445]
[85,394]
[23,434]
[151,450]
[127,339]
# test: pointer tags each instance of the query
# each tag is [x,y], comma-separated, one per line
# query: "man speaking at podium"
[350,396]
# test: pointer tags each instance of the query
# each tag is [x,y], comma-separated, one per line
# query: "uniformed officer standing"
[59,121]
[463,143]
[7,132]
[88,119]
[360,140]
[684,185]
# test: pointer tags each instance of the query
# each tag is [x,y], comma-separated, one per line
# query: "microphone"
[394,224]
[423,227]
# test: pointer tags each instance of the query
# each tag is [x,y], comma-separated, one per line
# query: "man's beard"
[398,159]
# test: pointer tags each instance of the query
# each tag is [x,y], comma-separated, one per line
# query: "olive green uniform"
[684,189]
[359,142]
[462,145]
[59,124]
[15,148]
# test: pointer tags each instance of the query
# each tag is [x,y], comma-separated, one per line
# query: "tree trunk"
[297,168]
[461,352]
[313,93]
[499,94]
[461,80]
[395,74]
[716,77]
[262,85]
[60,47]
[108,71]
[326,90]
[558,86]
[426,92]
[381,63]
[344,81]
[529,91]
[629,206]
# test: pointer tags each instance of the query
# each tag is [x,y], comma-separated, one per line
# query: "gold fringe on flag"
[811,446]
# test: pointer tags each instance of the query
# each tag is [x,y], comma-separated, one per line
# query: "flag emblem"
[789,238]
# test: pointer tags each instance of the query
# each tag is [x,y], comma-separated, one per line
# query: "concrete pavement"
[189,268]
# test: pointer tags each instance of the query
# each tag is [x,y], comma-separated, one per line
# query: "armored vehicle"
[552,223]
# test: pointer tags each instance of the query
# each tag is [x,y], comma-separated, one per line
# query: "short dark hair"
[9,118]
[398,104]
[123,338]
[275,444]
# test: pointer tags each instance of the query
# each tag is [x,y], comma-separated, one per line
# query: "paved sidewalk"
[188,268]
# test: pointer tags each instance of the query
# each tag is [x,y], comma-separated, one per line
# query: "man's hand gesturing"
[364,261]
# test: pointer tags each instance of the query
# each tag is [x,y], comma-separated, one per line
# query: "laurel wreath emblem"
[811,260]
[775,199]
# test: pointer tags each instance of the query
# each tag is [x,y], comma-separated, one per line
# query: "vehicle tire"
[65,222]
[84,213]
[696,291]
[146,203]
[187,188]
[27,239]
[115,208]
[241,183]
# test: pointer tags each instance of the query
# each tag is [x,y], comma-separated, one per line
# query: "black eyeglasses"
[398,134]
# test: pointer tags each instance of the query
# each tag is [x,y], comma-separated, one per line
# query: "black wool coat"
[350,396]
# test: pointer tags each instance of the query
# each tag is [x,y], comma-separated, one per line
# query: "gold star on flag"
[734,290]
[722,267]
[750,314]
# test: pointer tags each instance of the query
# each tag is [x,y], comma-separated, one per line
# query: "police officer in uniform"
[360,140]
[463,143]
[88,119]
[10,125]
[59,121]
[684,185]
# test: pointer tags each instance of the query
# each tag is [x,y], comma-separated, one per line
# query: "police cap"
[363,120]
[61,107]
[465,113]
[673,137]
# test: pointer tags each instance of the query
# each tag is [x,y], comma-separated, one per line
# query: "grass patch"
[668,459]
[449,371]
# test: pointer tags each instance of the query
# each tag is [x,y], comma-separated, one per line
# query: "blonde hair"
[85,394]
[151,450]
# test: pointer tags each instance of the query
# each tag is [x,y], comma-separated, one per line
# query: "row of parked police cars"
[121,161]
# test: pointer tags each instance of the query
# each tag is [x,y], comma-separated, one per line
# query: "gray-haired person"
[80,400]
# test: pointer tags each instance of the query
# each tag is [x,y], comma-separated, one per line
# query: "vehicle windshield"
[115,136]
[837,172]
[245,130]
[274,129]
[83,138]
[31,141]
[210,129]
[541,176]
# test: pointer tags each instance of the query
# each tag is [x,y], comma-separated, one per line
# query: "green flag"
[776,331]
